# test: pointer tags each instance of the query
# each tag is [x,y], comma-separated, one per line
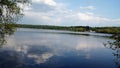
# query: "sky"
[72,13]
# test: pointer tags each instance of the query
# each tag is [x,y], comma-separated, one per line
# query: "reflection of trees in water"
[115,45]
[2,40]
[3,35]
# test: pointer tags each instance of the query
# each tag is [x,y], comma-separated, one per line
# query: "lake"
[38,48]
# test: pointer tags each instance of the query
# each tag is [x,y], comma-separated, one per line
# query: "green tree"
[10,13]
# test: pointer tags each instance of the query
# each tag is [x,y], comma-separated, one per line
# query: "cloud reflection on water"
[42,47]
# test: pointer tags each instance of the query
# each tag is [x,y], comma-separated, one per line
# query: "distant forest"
[110,30]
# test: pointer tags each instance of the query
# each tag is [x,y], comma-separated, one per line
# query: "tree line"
[109,30]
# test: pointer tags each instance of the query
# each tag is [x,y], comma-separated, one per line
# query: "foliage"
[109,30]
[112,30]
[10,13]
[70,28]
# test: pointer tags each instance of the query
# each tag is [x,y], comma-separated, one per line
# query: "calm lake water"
[37,48]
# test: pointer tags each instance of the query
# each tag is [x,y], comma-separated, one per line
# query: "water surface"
[33,48]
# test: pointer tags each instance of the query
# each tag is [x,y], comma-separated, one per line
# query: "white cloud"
[116,20]
[36,1]
[53,13]
[83,16]
[43,18]
[25,7]
[88,7]
[91,17]
[48,2]
[89,13]
[37,15]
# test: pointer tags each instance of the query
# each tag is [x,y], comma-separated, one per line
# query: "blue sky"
[73,13]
